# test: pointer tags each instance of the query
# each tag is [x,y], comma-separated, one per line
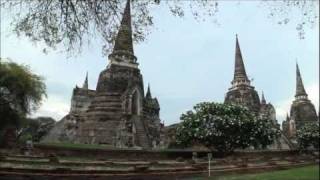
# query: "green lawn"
[302,173]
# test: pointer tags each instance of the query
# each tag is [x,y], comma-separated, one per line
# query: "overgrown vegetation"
[309,136]
[21,92]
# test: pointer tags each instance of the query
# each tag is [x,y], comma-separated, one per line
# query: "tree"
[35,128]
[21,92]
[73,22]
[309,136]
[225,128]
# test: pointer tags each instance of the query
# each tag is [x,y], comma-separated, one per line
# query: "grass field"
[302,173]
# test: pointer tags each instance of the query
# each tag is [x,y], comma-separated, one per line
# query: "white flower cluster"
[225,127]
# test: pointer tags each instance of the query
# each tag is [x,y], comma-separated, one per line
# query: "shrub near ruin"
[309,136]
[225,128]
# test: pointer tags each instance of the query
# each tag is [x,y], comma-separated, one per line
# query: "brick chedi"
[302,111]
[118,113]
[241,92]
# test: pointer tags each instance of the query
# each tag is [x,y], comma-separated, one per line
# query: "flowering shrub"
[308,136]
[225,127]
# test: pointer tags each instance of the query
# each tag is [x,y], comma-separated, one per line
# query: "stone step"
[96,107]
[141,133]
[106,101]
[116,104]
[108,94]
[113,111]
[104,109]
[109,109]
[102,113]
[111,118]
[104,118]
[114,101]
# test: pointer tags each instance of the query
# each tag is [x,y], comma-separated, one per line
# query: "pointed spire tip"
[123,40]
[85,84]
[263,100]
[239,71]
[148,94]
[300,91]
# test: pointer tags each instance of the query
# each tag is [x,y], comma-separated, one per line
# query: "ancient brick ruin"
[302,111]
[243,93]
[118,112]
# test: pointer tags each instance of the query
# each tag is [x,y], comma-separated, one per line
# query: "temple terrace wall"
[133,155]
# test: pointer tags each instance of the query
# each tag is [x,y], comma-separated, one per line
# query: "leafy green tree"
[21,92]
[225,128]
[308,136]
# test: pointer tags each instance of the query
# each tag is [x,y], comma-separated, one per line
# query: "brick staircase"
[141,133]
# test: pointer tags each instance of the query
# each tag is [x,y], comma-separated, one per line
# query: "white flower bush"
[225,127]
[309,136]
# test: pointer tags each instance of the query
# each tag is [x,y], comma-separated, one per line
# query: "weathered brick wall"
[302,112]
[81,99]
[148,155]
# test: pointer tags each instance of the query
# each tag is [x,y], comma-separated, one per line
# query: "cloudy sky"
[188,61]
